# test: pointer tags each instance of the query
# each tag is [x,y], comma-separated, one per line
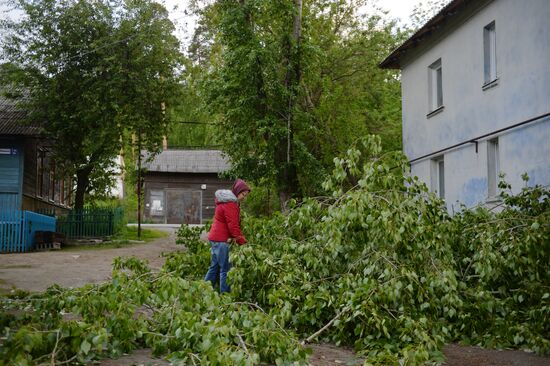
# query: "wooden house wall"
[29,173]
[31,200]
[186,181]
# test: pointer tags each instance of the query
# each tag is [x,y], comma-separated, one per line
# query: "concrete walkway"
[36,271]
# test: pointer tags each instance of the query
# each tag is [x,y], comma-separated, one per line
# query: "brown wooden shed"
[179,185]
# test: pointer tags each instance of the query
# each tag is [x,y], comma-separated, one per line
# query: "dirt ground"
[36,271]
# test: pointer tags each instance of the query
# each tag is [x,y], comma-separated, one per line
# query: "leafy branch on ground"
[379,265]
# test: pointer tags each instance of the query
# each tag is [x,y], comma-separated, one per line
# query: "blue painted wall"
[11,174]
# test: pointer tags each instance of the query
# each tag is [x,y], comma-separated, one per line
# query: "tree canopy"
[95,73]
[294,84]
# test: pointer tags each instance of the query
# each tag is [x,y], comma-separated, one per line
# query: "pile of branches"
[377,264]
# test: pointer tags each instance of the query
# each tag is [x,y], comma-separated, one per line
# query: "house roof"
[12,119]
[449,12]
[187,161]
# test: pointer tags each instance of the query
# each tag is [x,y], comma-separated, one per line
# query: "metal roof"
[12,119]
[187,161]
[451,11]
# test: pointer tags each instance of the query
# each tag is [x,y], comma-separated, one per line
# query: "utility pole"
[139,186]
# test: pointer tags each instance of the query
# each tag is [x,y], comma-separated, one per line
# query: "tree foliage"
[424,11]
[94,73]
[289,100]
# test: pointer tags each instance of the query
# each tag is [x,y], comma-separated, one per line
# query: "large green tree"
[95,73]
[294,84]
[193,125]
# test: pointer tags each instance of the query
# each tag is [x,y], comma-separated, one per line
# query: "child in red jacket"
[225,228]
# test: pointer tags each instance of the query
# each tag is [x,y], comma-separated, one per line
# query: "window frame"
[435,87]
[67,191]
[493,167]
[490,75]
[51,193]
[438,176]
[40,155]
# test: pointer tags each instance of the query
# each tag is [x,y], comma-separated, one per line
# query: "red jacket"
[226,223]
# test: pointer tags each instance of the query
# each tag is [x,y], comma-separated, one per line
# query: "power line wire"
[194,147]
[197,123]
[101,47]
[69,58]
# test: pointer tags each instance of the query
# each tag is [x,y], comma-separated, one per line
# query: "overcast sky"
[399,9]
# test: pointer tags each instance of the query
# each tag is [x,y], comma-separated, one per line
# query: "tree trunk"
[82,184]
[292,81]
[284,197]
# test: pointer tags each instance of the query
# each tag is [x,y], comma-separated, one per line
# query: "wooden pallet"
[49,240]
[48,246]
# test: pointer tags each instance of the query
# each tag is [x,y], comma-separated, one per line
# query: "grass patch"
[127,237]
[12,266]
[3,289]
[130,233]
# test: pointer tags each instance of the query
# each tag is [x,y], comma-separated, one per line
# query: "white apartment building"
[476,98]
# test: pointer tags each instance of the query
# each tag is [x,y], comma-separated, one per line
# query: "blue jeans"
[219,265]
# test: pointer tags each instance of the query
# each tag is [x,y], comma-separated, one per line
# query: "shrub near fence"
[91,222]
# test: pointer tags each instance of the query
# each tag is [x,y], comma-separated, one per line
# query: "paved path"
[36,271]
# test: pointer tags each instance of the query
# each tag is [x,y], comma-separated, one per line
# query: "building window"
[51,194]
[67,188]
[489,53]
[493,167]
[45,176]
[435,79]
[57,192]
[40,172]
[438,176]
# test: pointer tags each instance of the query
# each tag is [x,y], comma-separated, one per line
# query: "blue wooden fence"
[18,228]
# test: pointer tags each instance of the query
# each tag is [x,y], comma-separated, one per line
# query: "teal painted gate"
[18,228]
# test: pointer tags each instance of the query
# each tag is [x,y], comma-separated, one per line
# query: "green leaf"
[85,347]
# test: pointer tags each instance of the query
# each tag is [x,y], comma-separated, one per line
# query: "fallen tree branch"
[262,310]
[326,326]
[241,342]
[54,352]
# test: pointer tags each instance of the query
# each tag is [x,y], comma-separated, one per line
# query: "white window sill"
[490,84]
[435,111]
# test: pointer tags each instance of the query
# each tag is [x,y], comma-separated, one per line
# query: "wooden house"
[28,177]
[179,185]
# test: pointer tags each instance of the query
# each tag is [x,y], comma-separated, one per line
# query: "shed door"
[183,207]
[156,202]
